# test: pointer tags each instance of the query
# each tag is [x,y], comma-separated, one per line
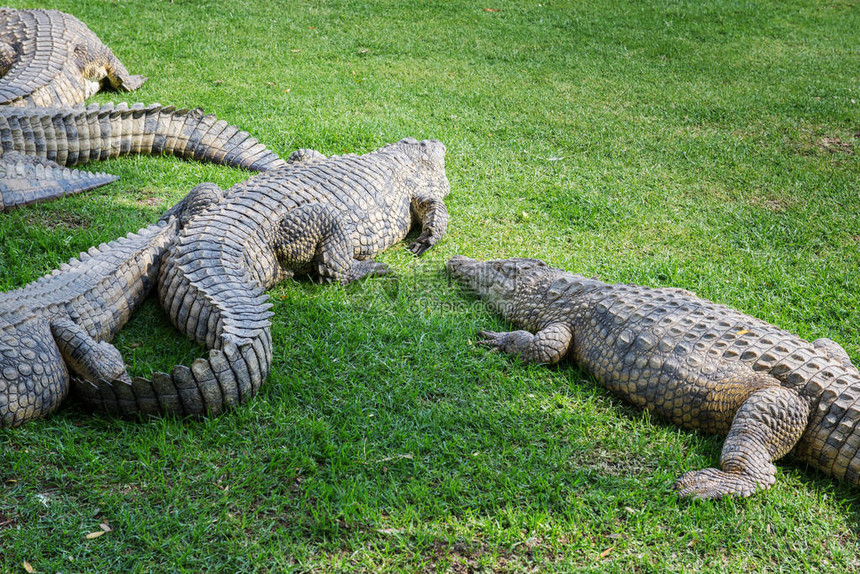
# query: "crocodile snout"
[459,263]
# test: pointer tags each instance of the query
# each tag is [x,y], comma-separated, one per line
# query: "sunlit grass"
[706,145]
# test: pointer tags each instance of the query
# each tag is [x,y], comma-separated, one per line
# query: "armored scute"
[51,59]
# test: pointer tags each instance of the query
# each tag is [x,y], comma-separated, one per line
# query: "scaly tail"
[212,299]
[25,179]
[71,136]
[229,376]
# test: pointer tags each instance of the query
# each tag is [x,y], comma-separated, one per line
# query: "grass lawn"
[710,145]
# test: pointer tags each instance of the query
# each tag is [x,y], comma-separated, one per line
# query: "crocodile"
[698,364]
[50,63]
[72,136]
[51,59]
[55,332]
[324,217]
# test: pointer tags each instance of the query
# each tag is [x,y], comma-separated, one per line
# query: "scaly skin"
[74,136]
[51,59]
[56,330]
[26,179]
[325,216]
[698,364]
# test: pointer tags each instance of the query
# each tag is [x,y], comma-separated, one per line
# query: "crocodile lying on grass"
[72,136]
[50,63]
[318,215]
[62,322]
[698,364]
[51,59]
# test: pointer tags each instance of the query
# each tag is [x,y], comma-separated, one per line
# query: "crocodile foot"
[369,268]
[506,342]
[713,483]
[424,242]
[359,270]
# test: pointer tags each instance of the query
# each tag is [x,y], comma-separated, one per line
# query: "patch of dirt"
[776,205]
[464,559]
[152,201]
[818,139]
[611,464]
[842,5]
[145,197]
[835,145]
[470,558]
[58,220]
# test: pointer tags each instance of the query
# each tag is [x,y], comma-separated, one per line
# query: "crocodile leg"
[305,156]
[430,210]
[767,425]
[835,351]
[89,359]
[201,197]
[8,57]
[548,346]
[315,234]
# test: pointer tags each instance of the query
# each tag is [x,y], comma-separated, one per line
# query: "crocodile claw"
[713,483]
[424,242]
[492,339]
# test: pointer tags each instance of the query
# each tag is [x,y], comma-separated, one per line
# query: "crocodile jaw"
[497,282]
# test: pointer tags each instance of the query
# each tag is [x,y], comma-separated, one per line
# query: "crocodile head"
[504,284]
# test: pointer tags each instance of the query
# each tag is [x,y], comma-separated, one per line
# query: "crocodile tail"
[189,134]
[207,293]
[72,136]
[25,180]
[226,377]
[214,304]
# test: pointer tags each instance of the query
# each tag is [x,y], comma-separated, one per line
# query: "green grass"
[708,145]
